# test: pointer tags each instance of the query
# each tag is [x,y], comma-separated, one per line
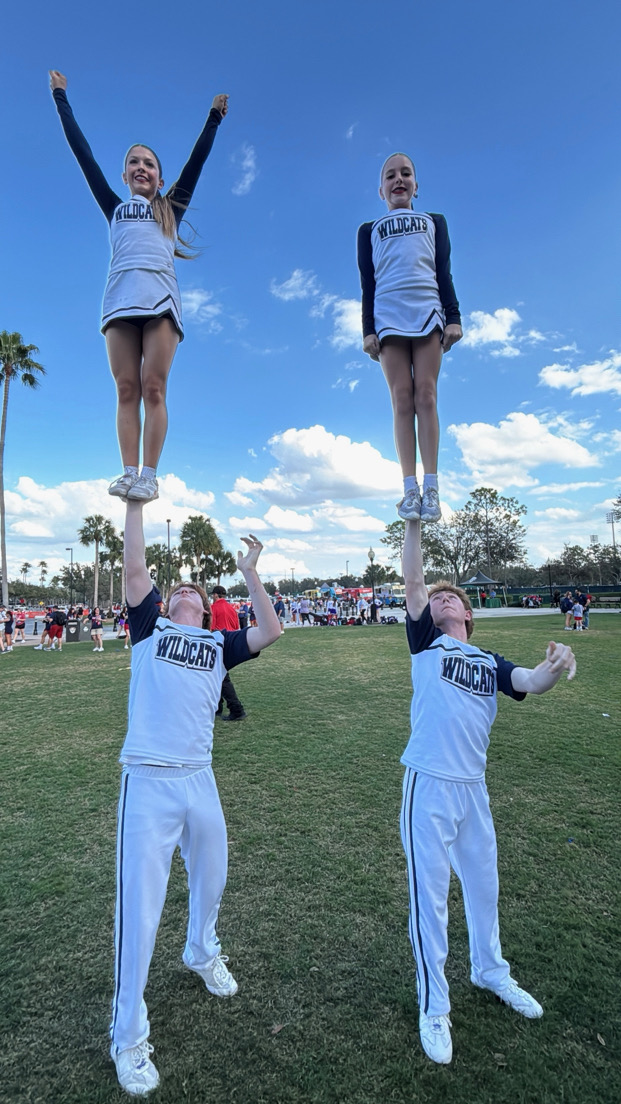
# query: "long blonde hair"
[164,214]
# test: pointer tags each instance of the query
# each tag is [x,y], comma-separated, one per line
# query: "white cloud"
[237,499]
[313,465]
[558,513]
[573,348]
[351,518]
[248,524]
[200,306]
[556,489]
[505,454]
[246,159]
[493,329]
[347,324]
[300,285]
[290,544]
[289,519]
[588,379]
[349,133]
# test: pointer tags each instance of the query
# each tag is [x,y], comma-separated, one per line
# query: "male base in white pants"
[445,816]
[169,796]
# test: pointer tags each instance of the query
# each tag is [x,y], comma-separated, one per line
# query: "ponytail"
[163,213]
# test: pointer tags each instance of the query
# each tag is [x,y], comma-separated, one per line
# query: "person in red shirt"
[223,616]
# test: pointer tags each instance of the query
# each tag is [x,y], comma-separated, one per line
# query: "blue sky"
[278,421]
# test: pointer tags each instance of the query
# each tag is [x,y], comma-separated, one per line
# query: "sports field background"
[314,918]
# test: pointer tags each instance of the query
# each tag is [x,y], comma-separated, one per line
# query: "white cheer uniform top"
[138,241]
[175,687]
[454,702]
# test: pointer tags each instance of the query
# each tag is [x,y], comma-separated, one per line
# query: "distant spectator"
[585,601]
[566,605]
[223,616]
[556,598]
[280,611]
[305,611]
[96,628]
[20,626]
[55,629]
[577,615]
[45,632]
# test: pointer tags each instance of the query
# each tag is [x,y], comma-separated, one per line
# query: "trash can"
[73,631]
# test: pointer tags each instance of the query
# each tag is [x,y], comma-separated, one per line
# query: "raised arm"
[106,198]
[139,582]
[536,680]
[268,626]
[183,188]
[416,597]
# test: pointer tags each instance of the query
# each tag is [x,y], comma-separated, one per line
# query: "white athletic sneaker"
[435,1036]
[95,649]
[218,979]
[430,505]
[46,649]
[143,490]
[126,647]
[121,485]
[135,1070]
[409,507]
[38,648]
[519,1000]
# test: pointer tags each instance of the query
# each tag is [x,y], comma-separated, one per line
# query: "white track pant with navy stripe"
[444,825]
[160,808]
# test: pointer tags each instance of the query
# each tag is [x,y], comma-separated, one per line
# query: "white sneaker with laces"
[38,648]
[135,1070]
[520,1001]
[430,505]
[218,979]
[409,507]
[143,490]
[121,485]
[435,1036]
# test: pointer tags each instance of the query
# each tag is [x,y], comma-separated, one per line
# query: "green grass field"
[314,918]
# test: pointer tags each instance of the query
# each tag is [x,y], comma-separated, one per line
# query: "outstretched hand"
[57,80]
[561,658]
[247,562]
[221,103]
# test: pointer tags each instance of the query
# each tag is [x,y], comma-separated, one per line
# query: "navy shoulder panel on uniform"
[422,633]
[504,668]
[236,648]
[142,618]
[103,193]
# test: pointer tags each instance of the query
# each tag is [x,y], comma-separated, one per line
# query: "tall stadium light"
[292,584]
[70,577]
[610,518]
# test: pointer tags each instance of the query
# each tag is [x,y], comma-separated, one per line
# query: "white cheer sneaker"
[409,507]
[517,999]
[135,1070]
[435,1036]
[217,977]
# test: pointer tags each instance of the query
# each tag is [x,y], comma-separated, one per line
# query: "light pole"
[610,518]
[292,584]
[70,577]
[347,569]
[168,561]
[371,555]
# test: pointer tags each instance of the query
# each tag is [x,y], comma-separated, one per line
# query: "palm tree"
[96,530]
[15,362]
[198,540]
[113,556]
[156,558]
[43,572]
[25,568]
[220,563]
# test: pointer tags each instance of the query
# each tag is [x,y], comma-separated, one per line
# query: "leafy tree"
[156,558]
[374,575]
[453,546]
[497,521]
[15,363]
[96,530]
